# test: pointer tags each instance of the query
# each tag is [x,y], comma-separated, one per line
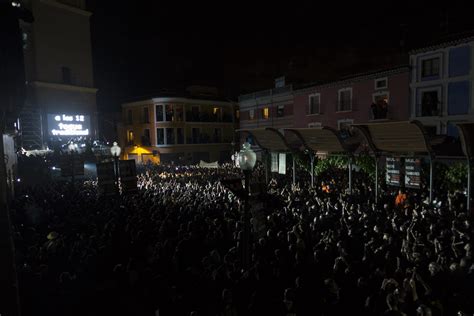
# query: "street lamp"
[246,159]
[115,151]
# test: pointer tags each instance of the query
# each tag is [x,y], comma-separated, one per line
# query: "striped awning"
[466,133]
[407,137]
[319,139]
[268,138]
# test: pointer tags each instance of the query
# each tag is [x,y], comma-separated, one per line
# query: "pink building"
[359,99]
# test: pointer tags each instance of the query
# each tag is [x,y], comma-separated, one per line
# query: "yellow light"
[266,113]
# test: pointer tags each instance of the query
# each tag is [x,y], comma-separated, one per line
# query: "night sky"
[143,46]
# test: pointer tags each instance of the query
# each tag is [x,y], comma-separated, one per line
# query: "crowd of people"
[175,248]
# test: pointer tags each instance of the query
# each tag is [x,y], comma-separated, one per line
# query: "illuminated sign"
[69,125]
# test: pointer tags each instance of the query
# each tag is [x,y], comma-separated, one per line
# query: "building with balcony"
[61,97]
[268,108]
[374,96]
[441,85]
[178,129]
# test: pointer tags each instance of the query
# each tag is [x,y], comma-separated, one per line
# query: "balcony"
[204,117]
[429,109]
[378,112]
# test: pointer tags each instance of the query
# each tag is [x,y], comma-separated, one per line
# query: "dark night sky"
[143,46]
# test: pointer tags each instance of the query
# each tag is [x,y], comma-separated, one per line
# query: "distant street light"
[246,159]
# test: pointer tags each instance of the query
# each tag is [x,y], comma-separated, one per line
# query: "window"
[379,107]
[66,75]
[345,100]
[159,112]
[217,135]
[146,118]
[130,117]
[265,113]
[178,113]
[315,124]
[344,127]
[430,67]
[280,110]
[381,83]
[251,114]
[146,137]
[237,114]
[314,102]
[180,135]
[130,137]
[195,135]
[430,105]
[170,136]
[160,136]
[169,112]
[193,115]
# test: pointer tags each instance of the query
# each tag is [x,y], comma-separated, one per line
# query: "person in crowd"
[175,248]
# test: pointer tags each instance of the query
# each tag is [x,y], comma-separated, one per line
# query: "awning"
[319,139]
[268,138]
[408,137]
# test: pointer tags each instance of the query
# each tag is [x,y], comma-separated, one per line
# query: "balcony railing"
[429,109]
[207,117]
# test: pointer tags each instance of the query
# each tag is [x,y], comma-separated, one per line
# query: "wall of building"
[363,93]
[451,84]
[191,150]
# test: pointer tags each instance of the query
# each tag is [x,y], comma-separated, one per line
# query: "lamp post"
[247,159]
[115,151]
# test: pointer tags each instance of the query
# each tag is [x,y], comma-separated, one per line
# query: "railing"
[427,109]
[265,93]
[377,112]
[207,117]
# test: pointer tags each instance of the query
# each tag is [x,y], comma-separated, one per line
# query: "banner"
[204,164]
[392,171]
[274,167]
[282,163]
[106,178]
[128,176]
[412,173]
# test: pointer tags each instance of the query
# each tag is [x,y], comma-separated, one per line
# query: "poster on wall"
[282,163]
[412,173]
[392,176]
[274,167]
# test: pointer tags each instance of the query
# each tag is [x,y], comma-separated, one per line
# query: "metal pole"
[246,235]
[350,175]
[312,170]
[376,179]
[431,179]
[294,170]
[265,160]
[116,165]
[72,167]
[469,166]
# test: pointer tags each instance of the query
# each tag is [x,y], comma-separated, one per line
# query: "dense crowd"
[174,248]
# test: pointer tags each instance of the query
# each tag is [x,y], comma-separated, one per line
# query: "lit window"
[237,114]
[130,136]
[265,113]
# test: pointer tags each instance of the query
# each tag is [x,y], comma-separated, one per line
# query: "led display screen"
[69,124]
